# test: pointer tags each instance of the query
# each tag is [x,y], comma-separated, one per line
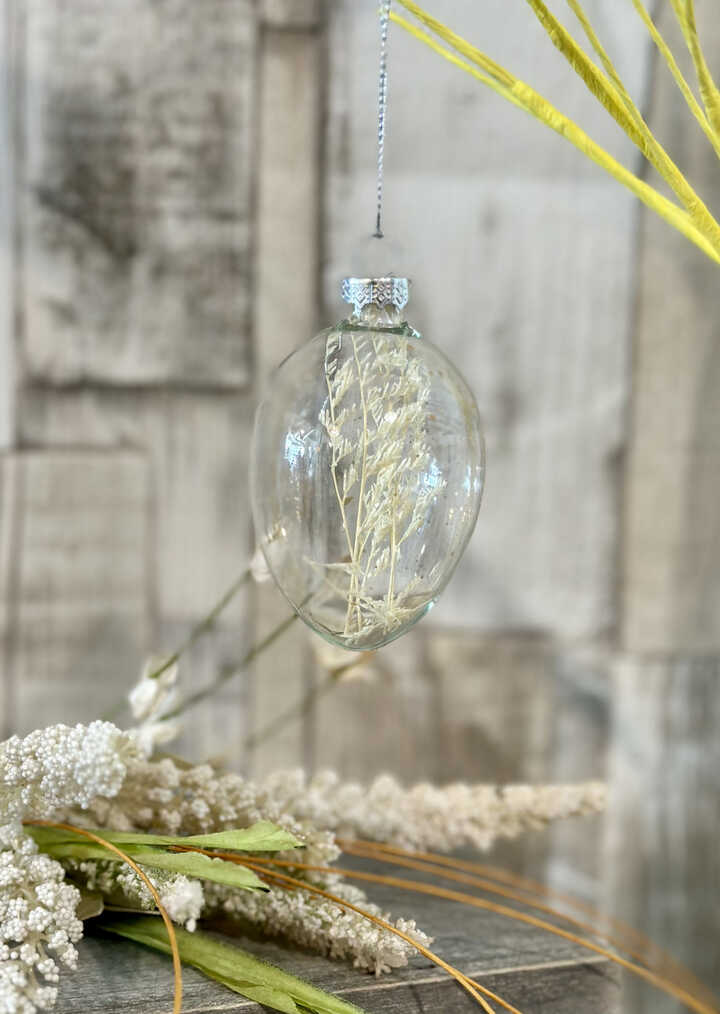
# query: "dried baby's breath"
[375,420]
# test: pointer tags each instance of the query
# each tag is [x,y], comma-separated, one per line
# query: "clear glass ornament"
[366,470]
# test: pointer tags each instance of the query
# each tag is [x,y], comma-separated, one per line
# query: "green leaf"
[192,864]
[260,837]
[233,967]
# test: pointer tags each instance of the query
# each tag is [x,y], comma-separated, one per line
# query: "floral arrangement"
[97,823]
[113,782]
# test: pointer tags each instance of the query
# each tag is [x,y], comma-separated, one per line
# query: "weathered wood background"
[181,187]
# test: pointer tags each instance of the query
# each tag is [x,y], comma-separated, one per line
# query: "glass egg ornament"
[367,469]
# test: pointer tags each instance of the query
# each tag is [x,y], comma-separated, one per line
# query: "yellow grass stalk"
[614,96]
[713,135]
[685,14]
[696,223]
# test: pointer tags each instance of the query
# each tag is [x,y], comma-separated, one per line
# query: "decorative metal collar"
[361,292]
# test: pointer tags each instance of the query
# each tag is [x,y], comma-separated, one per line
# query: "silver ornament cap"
[389,291]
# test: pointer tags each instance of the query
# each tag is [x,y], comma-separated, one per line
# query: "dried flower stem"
[177,966]
[641,949]
[228,674]
[302,707]
[205,625]
[661,982]
[472,987]
[374,420]
[629,940]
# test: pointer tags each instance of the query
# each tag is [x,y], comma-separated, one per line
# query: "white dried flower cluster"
[150,700]
[38,926]
[181,896]
[375,420]
[59,767]
[167,798]
[259,568]
[427,817]
[321,925]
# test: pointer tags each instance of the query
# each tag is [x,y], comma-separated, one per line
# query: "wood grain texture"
[288,199]
[7,237]
[662,861]
[285,316]
[672,527]
[536,971]
[75,583]
[291,13]
[521,255]
[196,448]
[137,192]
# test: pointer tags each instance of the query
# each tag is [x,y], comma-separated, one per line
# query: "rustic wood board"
[671,591]
[196,448]
[536,971]
[74,530]
[137,190]
[7,220]
[662,861]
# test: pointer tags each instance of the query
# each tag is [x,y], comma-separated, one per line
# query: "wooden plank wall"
[181,210]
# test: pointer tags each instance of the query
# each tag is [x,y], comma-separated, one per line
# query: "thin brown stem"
[473,988]
[629,940]
[172,939]
[659,981]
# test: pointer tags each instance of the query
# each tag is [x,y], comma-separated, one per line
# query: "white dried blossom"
[428,817]
[181,896]
[61,767]
[151,699]
[353,666]
[375,420]
[38,925]
[321,925]
[167,798]
[259,568]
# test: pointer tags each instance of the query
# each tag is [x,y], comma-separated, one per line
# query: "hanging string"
[382,111]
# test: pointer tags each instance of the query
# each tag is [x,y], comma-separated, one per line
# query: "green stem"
[204,626]
[228,674]
[299,709]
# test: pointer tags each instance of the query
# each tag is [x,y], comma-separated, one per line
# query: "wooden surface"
[180,191]
[537,972]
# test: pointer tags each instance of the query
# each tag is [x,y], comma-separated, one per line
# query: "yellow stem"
[701,229]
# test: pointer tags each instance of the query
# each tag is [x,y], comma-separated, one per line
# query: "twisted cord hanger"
[382,113]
